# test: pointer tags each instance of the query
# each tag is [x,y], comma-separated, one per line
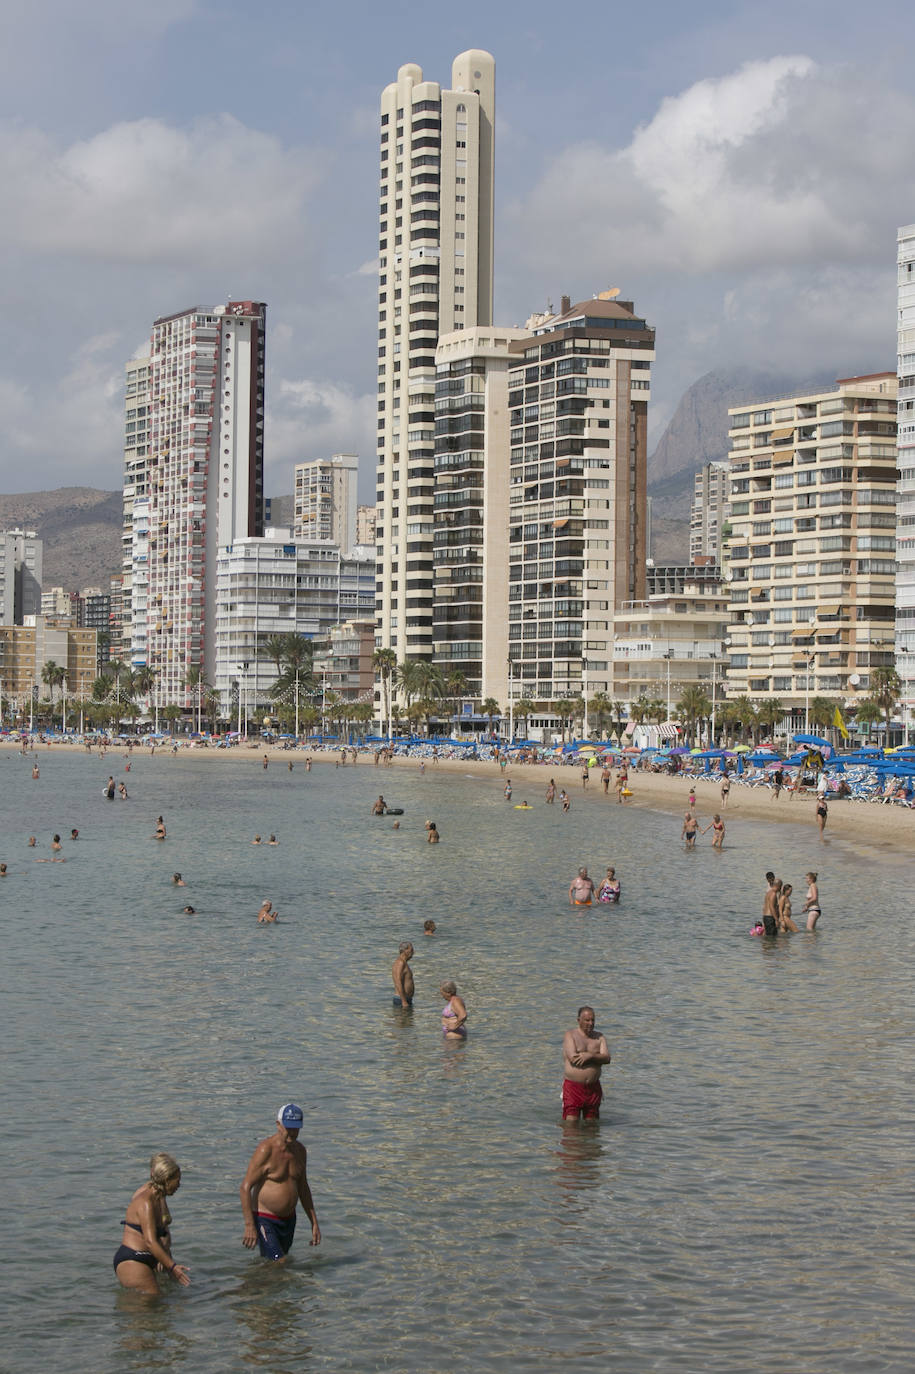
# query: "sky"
[737,170]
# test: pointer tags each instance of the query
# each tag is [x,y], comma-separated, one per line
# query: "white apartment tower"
[134,548]
[204,474]
[435,265]
[709,511]
[905,485]
[21,555]
[325,500]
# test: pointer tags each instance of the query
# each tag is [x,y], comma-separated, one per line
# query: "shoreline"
[890,828]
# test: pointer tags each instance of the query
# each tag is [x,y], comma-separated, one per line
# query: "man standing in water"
[274,1182]
[581,889]
[583,1053]
[402,975]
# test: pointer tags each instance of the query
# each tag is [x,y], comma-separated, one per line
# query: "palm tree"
[196,681]
[102,686]
[524,709]
[274,648]
[771,711]
[743,714]
[868,712]
[578,711]
[456,686]
[407,678]
[489,708]
[599,710]
[384,661]
[822,711]
[657,710]
[427,707]
[886,689]
[142,683]
[102,641]
[361,714]
[617,708]
[638,711]
[693,706]
[429,679]
[564,710]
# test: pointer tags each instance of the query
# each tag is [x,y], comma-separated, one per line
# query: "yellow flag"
[839,723]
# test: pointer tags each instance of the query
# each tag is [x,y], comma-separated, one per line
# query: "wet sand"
[868,824]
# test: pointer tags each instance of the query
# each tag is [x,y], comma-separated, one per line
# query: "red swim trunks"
[581,1097]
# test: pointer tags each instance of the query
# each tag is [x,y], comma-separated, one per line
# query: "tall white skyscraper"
[435,276]
[203,477]
[905,486]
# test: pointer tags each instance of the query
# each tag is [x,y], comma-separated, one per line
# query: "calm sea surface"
[744,1204]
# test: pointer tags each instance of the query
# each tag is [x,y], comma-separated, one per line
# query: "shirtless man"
[266,915]
[583,1054]
[274,1182]
[770,905]
[402,975]
[379,807]
[581,889]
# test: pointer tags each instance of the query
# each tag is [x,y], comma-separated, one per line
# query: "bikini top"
[161,1231]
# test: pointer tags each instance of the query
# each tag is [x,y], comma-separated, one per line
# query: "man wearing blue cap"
[275,1181]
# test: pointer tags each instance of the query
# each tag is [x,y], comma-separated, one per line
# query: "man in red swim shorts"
[583,1054]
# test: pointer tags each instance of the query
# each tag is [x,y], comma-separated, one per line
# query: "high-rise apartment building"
[134,536]
[365,525]
[470,542]
[811,559]
[435,264]
[325,500]
[709,511]
[203,479]
[578,398]
[21,555]
[905,487]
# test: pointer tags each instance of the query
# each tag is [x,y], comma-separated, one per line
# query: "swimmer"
[35,772]
[266,915]
[160,829]
[758,929]
[188,910]
[429,926]
[74,834]
[524,806]
[256,840]
[581,889]
[609,890]
[396,825]
[550,792]
[717,825]
[3,875]
[812,904]
[565,799]
[178,880]
[273,840]
[379,807]
[688,833]
[402,975]
[146,1245]
[770,905]
[109,788]
[433,837]
[32,842]
[454,1013]
[55,843]
[784,917]
[122,792]
[507,789]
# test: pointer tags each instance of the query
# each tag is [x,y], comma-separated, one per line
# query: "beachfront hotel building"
[277,585]
[471,508]
[435,262]
[669,642]
[26,649]
[199,485]
[905,509]
[810,562]
[709,511]
[578,410]
[21,559]
[325,499]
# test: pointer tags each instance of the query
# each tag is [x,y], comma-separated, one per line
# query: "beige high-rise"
[435,276]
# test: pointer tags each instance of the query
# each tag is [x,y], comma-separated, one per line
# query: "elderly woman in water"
[454,1013]
[146,1246]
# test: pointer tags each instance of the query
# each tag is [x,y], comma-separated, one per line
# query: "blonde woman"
[146,1245]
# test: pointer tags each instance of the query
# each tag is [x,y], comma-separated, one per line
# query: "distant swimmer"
[812,904]
[109,788]
[433,836]
[770,905]
[565,799]
[178,880]
[2,870]
[32,842]
[188,910]
[266,915]
[429,927]
[609,890]
[581,889]
[379,807]
[688,833]
[273,840]
[402,975]
[454,1013]
[147,1242]
[160,829]
[55,843]
[290,765]
[122,792]
[266,761]
[550,793]
[717,826]
[35,772]
[74,834]
[507,789]
[524,806]
[785,919]
[584,1053]
[275,1181]
[256,840]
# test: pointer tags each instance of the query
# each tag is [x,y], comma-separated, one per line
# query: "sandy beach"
[891,828]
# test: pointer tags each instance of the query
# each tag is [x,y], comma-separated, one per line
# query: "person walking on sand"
[725,790]
[275,1181]
[584,1053]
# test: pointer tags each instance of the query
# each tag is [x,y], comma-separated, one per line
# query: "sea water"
[744,1202]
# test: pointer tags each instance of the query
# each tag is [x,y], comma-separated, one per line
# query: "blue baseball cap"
[291,1117]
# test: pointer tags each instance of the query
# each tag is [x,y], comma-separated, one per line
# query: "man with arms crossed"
[583,1053]
[275,1181]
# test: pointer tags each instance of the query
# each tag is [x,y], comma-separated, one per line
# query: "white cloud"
[147,192]
[780,163]
[312,419]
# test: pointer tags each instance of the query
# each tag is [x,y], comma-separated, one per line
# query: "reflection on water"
[757,1107]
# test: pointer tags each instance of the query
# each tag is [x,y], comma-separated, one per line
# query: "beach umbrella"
[741,749]
[740,764]
[682,749]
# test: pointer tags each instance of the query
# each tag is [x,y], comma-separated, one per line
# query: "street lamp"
[669,655]
[808,659]
[63,704]
[714,658]
[511,701]
[243,673]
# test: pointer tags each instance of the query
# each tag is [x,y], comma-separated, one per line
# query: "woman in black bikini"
[146,1243]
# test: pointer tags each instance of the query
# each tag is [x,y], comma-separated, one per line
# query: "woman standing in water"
[454,1013]
[812,904]
[147,1244]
